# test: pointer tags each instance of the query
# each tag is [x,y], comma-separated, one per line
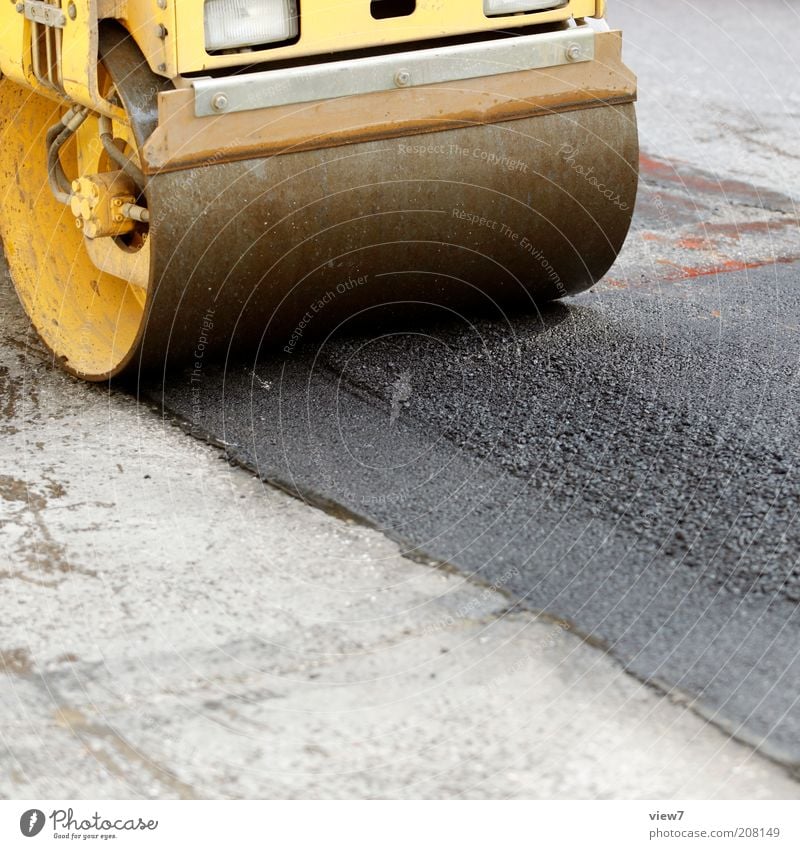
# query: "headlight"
[509,7]
[231,24]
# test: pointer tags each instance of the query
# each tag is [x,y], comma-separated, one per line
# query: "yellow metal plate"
[171,36]
[336,25]
[13,46]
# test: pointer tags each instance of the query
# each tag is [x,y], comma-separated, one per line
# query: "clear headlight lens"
[231,24]
[509,7]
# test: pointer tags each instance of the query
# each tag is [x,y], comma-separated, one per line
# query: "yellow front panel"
[79,53]
[14,44]
[335,25]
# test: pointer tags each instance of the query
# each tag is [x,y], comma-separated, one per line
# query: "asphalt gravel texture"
[626,460]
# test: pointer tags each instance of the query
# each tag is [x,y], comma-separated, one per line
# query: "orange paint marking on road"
[693,243]
[727,267]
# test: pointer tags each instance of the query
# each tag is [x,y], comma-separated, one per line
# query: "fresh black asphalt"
[627,460]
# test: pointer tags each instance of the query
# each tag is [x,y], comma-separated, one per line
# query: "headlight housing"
[510,7]
[237,24]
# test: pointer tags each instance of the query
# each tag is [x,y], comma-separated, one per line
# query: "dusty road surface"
[557,555]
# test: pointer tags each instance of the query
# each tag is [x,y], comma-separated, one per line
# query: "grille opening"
[46,55]
[382,9]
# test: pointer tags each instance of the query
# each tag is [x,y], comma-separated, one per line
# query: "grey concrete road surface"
[718,84]
[172,628]
[607,486]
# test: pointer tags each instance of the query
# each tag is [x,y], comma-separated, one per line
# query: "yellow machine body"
[169,146]
[170,34]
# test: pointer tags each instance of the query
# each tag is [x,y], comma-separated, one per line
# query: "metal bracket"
[328,80]
[43,13]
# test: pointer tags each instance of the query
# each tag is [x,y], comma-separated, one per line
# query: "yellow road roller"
[181,179]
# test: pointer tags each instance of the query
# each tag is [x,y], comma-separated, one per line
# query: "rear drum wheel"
[90,319]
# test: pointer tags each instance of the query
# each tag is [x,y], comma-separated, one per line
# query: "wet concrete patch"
[37,556]
[16,661]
